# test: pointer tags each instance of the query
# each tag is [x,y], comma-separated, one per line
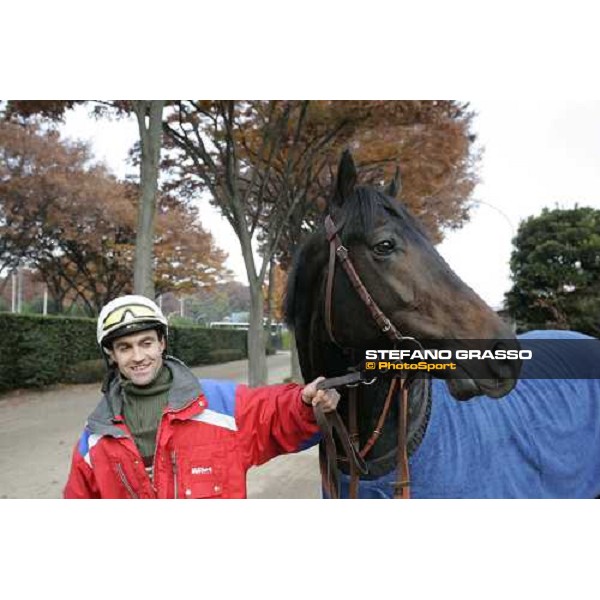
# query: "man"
[158,432]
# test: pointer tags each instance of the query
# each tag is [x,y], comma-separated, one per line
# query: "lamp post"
[13,281]
[19,289]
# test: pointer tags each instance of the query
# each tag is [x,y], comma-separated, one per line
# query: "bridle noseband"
[350,443]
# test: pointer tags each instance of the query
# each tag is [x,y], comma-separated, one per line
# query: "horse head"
[407,279]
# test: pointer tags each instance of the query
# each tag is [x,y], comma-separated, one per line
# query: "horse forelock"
[358,216]
[361,211]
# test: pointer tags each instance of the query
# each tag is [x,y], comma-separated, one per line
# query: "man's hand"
[327,399]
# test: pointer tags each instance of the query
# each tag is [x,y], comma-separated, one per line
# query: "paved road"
[39,428]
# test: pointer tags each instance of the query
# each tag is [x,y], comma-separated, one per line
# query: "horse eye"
[384,248]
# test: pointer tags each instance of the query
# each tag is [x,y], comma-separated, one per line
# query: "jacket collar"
[105,418]
[185,386]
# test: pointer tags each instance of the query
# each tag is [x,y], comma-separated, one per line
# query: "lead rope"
[328,422]
[354,440]
[402,485]
[382,417]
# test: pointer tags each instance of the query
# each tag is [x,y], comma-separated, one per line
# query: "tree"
[186,257]
[555,266]
[431,142]
[210,152]
[37,173]
[75,223]
[34,170]
[149,117]
[216,302]
[267,163]
[96,238]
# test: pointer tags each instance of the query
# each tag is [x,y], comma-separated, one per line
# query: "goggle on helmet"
[126,315]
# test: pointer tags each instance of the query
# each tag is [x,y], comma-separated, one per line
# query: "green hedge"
[196,345]
[36,351]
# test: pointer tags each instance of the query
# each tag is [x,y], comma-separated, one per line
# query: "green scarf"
[143,408]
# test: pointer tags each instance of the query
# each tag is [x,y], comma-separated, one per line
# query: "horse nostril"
[505,368]
[500,345]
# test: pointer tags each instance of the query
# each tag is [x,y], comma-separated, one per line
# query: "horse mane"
[298,300]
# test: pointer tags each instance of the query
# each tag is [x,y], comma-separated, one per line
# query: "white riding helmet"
[126,315]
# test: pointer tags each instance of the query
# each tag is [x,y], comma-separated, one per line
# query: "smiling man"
[139,356]
[159,432]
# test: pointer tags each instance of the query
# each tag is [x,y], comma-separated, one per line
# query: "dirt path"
[39,428]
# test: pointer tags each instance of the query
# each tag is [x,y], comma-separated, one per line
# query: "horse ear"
[395,186]
[346,178]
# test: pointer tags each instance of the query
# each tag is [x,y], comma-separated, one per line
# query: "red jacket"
[210,434]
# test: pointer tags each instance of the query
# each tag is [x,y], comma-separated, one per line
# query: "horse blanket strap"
[337,249]
[402,485]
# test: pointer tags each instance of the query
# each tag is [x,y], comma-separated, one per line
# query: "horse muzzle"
[490,377]
[467,388]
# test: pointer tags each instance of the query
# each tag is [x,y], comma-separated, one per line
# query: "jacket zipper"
[125,482]
[173,457]
[154,473]
[174,464]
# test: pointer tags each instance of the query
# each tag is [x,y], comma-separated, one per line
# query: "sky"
[536,154]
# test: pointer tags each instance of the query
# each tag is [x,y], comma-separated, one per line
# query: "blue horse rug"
[540,441]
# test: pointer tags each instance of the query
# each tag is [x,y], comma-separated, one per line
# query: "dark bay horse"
[491,436]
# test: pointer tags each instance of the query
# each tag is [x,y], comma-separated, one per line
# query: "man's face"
[139,355]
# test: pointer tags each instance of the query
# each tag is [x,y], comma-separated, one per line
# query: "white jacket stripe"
[214,418]
[92,441]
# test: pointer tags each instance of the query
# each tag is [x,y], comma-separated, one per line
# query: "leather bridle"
[399,388]
[339,251]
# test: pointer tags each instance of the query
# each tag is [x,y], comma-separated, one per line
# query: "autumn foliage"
[273,161]
[268,165]
[430,142]
[74,222]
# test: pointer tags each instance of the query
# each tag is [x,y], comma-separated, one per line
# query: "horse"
[494,435]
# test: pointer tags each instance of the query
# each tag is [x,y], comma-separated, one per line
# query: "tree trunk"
[295,362]
[257,358]
[150,141]
[269,308]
